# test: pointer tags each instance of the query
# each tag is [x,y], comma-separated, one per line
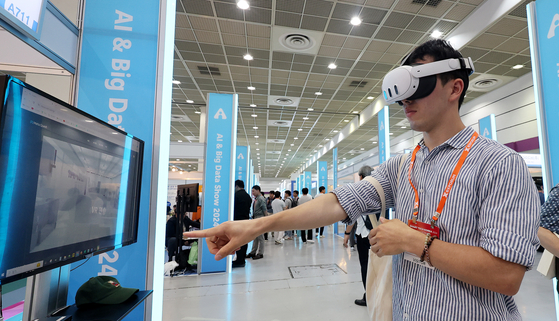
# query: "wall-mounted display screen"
[69,183]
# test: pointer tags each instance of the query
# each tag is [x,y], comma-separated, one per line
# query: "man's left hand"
[394,237]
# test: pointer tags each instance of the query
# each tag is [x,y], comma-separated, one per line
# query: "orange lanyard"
[448,185]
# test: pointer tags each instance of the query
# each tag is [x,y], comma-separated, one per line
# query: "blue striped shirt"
[493,205]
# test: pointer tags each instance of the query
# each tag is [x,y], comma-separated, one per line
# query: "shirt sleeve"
[550,211]
[509,212]
[362,197]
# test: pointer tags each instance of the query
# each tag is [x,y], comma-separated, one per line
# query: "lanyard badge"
[432,228]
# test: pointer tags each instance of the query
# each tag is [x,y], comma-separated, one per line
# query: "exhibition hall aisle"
[297,281]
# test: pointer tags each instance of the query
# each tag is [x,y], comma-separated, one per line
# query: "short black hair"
[272,192]
[440,49]
[288,193]
[296,191]
[256,187]
[321,188]
[277,194]
[239,183]
[305,191]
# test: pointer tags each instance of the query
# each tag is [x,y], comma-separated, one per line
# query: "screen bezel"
[4,81]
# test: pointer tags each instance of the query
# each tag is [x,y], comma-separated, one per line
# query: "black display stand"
[105,312]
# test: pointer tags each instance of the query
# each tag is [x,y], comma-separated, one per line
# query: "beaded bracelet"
[428,240]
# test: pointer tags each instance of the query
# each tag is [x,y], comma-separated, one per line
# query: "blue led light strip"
[123,191]
[11,170]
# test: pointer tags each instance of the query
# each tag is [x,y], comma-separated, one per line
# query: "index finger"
[199,233]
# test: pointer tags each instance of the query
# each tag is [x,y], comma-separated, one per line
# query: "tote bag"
[379,271]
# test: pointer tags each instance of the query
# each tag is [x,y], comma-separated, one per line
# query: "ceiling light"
[257,154]
[252,105]
[258,158]
[355,21]
[305,118]
[403,126]
[355,112]
[176,82]
[327,139]
[314,151]
[248,57]
[518,67]
[254,115]
[180,141]
[285,158]
[254,127]
[362,148]
[336,131]
[346,120]
[318,93]
[178,159]
[188,101]
[310,109]
[296,138]
[390,133]
[301,129]
[332,66]
[174,169]
[243,4]
[436,34]
[286,154]
[256,143]
[251,88]
[374,142]
[189,165]
[256,136]
[258,149]
[292,144]
[319,145]
[370,97]
[197,112]
[344,158]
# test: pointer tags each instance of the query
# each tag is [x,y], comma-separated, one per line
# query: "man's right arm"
[225,238]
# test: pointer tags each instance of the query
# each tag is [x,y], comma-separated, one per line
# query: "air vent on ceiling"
[274,152]
[180,118]
[297,41]
[279,123]
[278,141]
[486,83]
[213,71]
[432,3]
[283,101]
[358,83]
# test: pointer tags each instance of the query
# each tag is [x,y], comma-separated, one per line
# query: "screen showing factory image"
[77,195]
[69,183]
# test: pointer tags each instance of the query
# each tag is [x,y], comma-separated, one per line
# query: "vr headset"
[415,82]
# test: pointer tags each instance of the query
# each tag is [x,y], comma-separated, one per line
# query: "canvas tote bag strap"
[380,192]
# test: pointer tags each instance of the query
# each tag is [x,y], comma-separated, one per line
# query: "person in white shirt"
[320,230]
[306,235]
[363,245]
[288,204]
[277,206]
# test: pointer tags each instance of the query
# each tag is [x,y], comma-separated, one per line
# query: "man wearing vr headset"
[466,209]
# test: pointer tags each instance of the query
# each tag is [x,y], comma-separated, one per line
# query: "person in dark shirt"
[171,239]
[243,202]
[540,192]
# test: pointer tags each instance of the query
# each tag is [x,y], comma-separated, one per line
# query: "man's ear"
[457,89]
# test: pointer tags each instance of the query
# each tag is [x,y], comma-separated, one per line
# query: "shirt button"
[410,283]
[406,316]
[421,190]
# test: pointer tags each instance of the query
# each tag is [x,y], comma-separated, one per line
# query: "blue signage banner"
[487,127]
[117,83]
[219,175]
[322,170]
[242,165]
[335,172]
[301,182]
[307,180]
[543,51]
[293,186]
[383,135]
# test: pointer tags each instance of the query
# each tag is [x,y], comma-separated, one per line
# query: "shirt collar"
[458,141]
